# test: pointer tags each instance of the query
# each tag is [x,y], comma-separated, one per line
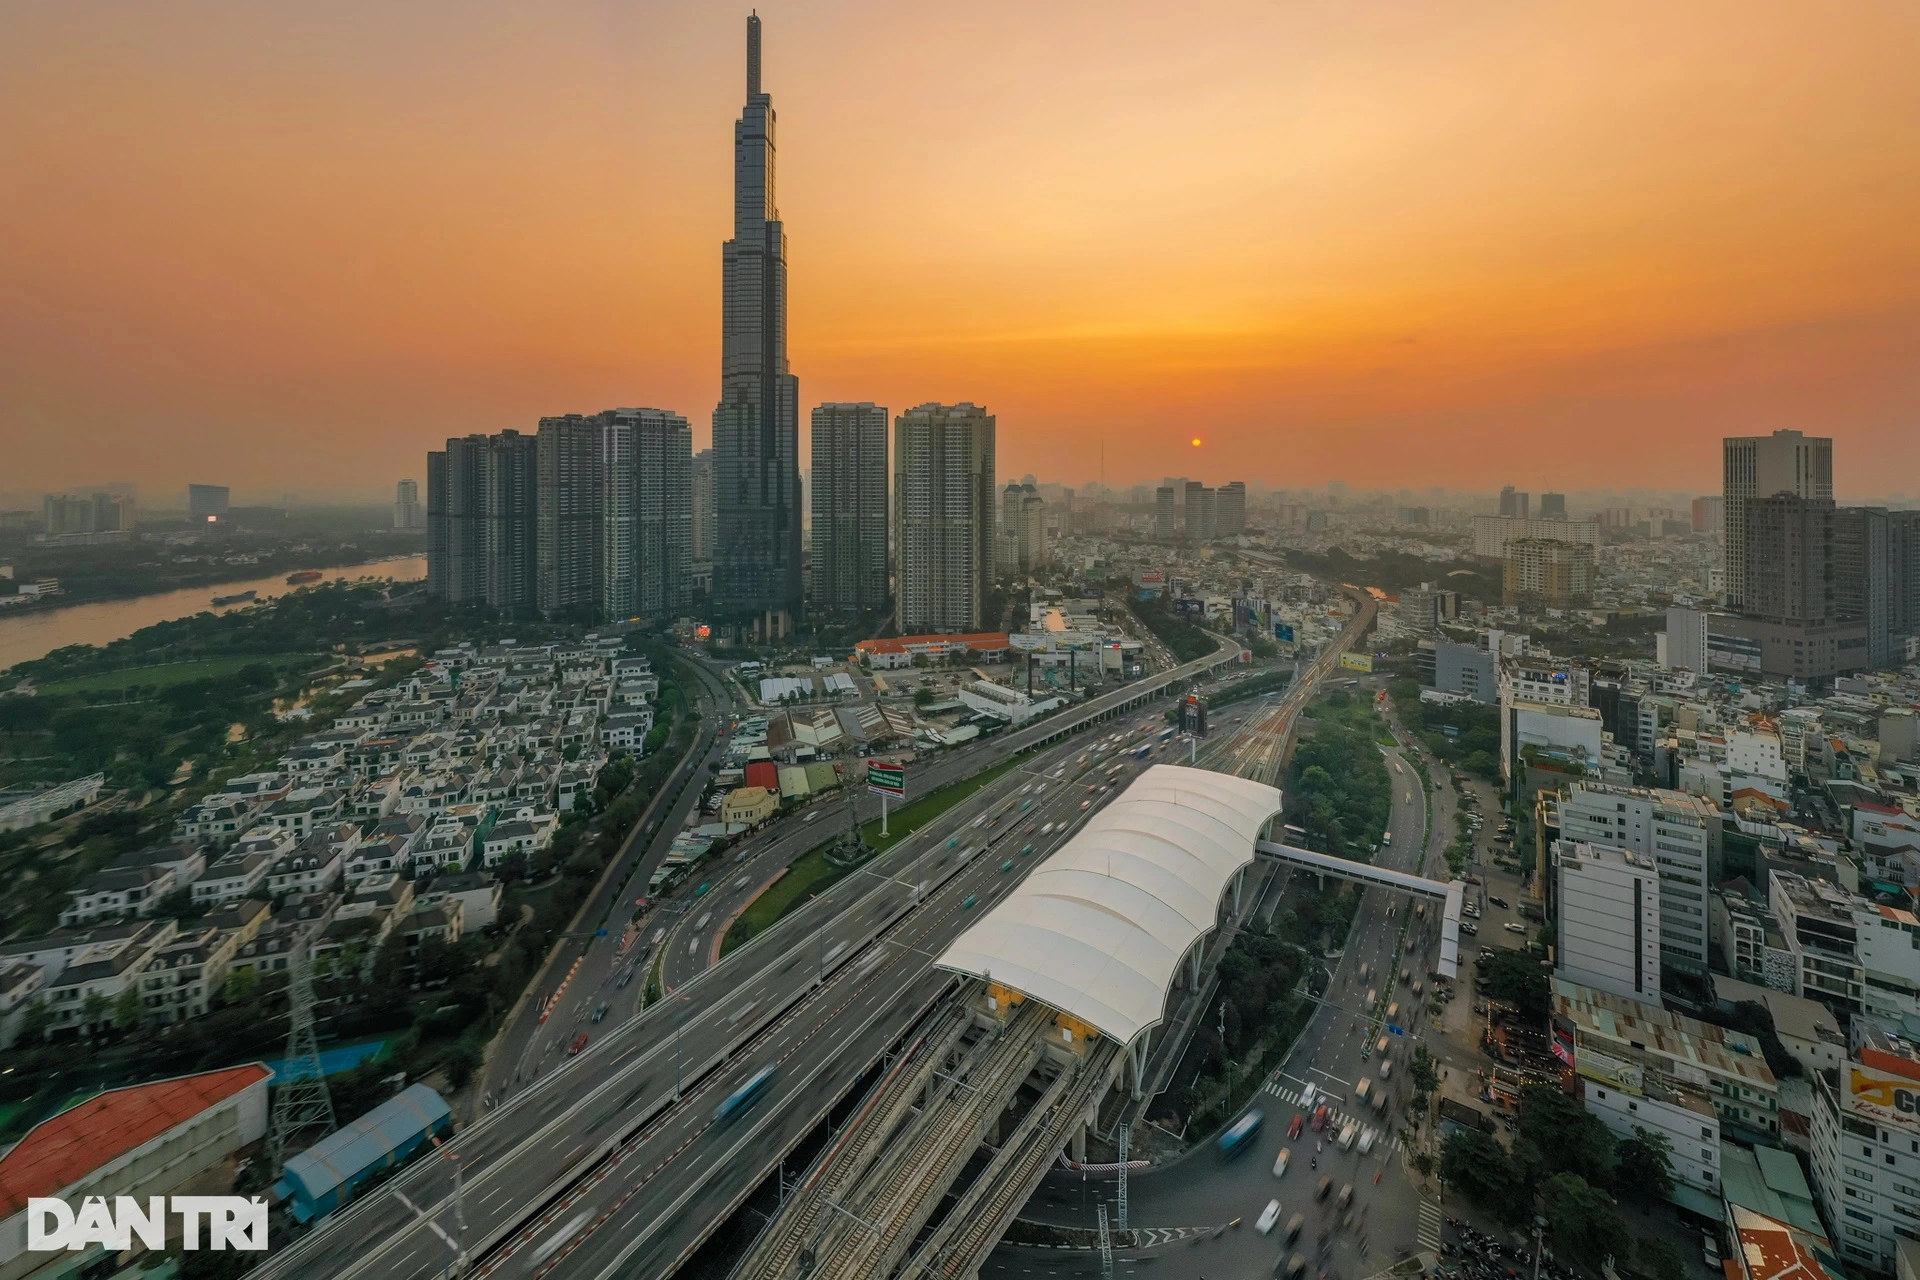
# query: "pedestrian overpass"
[1451,894]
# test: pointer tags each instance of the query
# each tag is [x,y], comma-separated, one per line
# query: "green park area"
[913,815]
[165,675]
[812,873]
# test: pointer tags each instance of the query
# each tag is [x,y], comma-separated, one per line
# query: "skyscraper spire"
[756,425]
[753,54]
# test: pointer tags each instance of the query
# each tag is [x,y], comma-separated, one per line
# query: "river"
[34,632]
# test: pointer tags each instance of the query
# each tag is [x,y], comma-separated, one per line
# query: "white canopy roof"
[1098,930]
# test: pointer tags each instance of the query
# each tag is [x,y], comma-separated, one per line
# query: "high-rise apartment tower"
[849,501]
[943,501]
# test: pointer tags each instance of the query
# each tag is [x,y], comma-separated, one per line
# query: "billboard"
[1887,1092]
[1283,632]
[887,779]
[1188,607]
[1351,661]
[1193,716]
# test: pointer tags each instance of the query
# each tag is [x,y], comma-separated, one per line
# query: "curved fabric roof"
[1098,930]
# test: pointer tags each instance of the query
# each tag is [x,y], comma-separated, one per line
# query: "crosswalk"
[1335,1117]
[1428,1235]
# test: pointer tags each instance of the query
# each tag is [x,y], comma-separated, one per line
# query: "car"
[969,901]
[811,816]
[1319,1118]
[1025,805]
[1007,865]
[1025,849]
[626,976]
[1092,787]
[1479,1007]
[600,1011]
[1346,1195]
[1324,1186]
[1085,805]
[579,1043]
[1366,1141]
[1515,928]
[1047,829]
[1024,790]
[1498,902]
[1293,1130]
[1040,790]
[953,842]
[1280,1162]
[1268,1216]
[1469,930]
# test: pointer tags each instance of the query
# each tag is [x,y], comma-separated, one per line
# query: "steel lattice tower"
[301,1103]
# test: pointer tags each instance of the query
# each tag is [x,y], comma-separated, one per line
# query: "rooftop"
[63,1150]
[1652,1030]
[1099,929]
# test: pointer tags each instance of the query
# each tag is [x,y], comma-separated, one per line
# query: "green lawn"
[811,873]
[168,674]
[807,876]
[904,821]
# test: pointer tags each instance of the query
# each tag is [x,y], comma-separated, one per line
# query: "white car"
[1268,1216]
[1515,928]
[1046,830]
[1366,1141]
[1280,1162]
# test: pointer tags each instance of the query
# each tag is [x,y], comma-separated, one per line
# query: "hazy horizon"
[1510,244]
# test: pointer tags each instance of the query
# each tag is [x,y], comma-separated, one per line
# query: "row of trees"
[1474,741]
[1338,790]
[1570,1164]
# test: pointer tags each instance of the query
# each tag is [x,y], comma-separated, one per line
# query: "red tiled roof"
[900,644]
[62,1150]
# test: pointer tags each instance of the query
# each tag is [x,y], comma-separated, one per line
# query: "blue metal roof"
[338,1159]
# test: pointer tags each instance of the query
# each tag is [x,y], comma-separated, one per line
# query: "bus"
[745,1096]
[1167,736]
[1240,1133]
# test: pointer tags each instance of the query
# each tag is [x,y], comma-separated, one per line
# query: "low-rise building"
[749,806]
[133,884]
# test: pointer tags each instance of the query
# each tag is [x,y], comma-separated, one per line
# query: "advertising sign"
[1188,607]
[1889,1094]
[1356,661]
[887,779]
[1283,632]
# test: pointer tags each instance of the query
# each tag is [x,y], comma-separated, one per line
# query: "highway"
[1203,1190]
[633,1112]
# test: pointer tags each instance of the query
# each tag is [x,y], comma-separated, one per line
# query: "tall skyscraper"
[407,513]
[1553,506]
[1163,516]
[1760,467]
[703,508]
[456,534]
[756,426]
[1231,509]
[482,535]
[849,507]
[569,515]
[615,514]
[510,498]
[943,500]
[654,490]
[1513,502]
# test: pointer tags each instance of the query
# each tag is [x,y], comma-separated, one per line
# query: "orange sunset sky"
[292,246]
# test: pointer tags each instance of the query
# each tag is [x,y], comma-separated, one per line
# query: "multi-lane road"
[1202,1190]
[613,1164]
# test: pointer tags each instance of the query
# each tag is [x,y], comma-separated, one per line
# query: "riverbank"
[34,631]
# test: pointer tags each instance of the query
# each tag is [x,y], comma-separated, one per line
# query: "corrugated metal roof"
[60,1151]
[346,1152]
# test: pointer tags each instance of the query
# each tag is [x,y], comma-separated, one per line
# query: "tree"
[1516,978]
[37,1020]
[126,1010]
[1473,1162]
[1661,1258]
[1644,1167]
[1583,1220]
[1562,1137]
[93,1010]
[1420,1071]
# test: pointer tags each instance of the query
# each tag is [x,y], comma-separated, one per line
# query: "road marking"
[1429,1235]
